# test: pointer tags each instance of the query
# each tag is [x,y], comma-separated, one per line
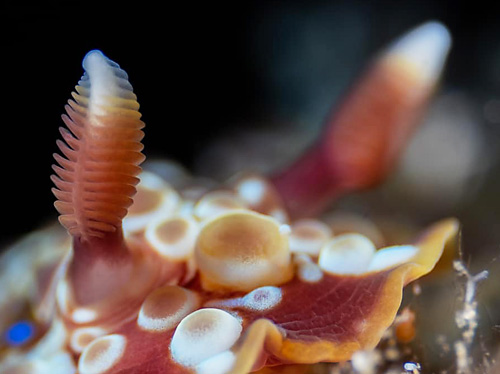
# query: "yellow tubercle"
[241,251]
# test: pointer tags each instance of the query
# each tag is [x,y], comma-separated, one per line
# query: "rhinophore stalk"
[96,178]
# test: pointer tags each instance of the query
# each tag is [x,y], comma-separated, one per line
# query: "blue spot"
[19,333]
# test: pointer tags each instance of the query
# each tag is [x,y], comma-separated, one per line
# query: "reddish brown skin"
[328,310]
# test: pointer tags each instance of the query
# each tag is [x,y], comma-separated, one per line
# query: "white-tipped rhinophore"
[105,80]
[101,152]
[204,334]
[424,48]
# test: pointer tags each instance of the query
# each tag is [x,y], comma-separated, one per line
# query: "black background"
[197,68]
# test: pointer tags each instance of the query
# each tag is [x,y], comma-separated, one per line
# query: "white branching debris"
[466,318]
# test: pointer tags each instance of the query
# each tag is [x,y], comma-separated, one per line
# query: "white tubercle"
[307,270]
[83,315]
[82,337]
[218,364]
[165,307]
[425,48]
[102,354]
[105,80]
[347,254]
[308,236]
[392,256]
[215,203]
[252,190]
[204,334]
[285,230]
[260,299]
[173,237]
[170,171]
[280,215]
[155,200]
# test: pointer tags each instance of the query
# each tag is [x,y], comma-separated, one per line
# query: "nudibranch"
[197,279]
